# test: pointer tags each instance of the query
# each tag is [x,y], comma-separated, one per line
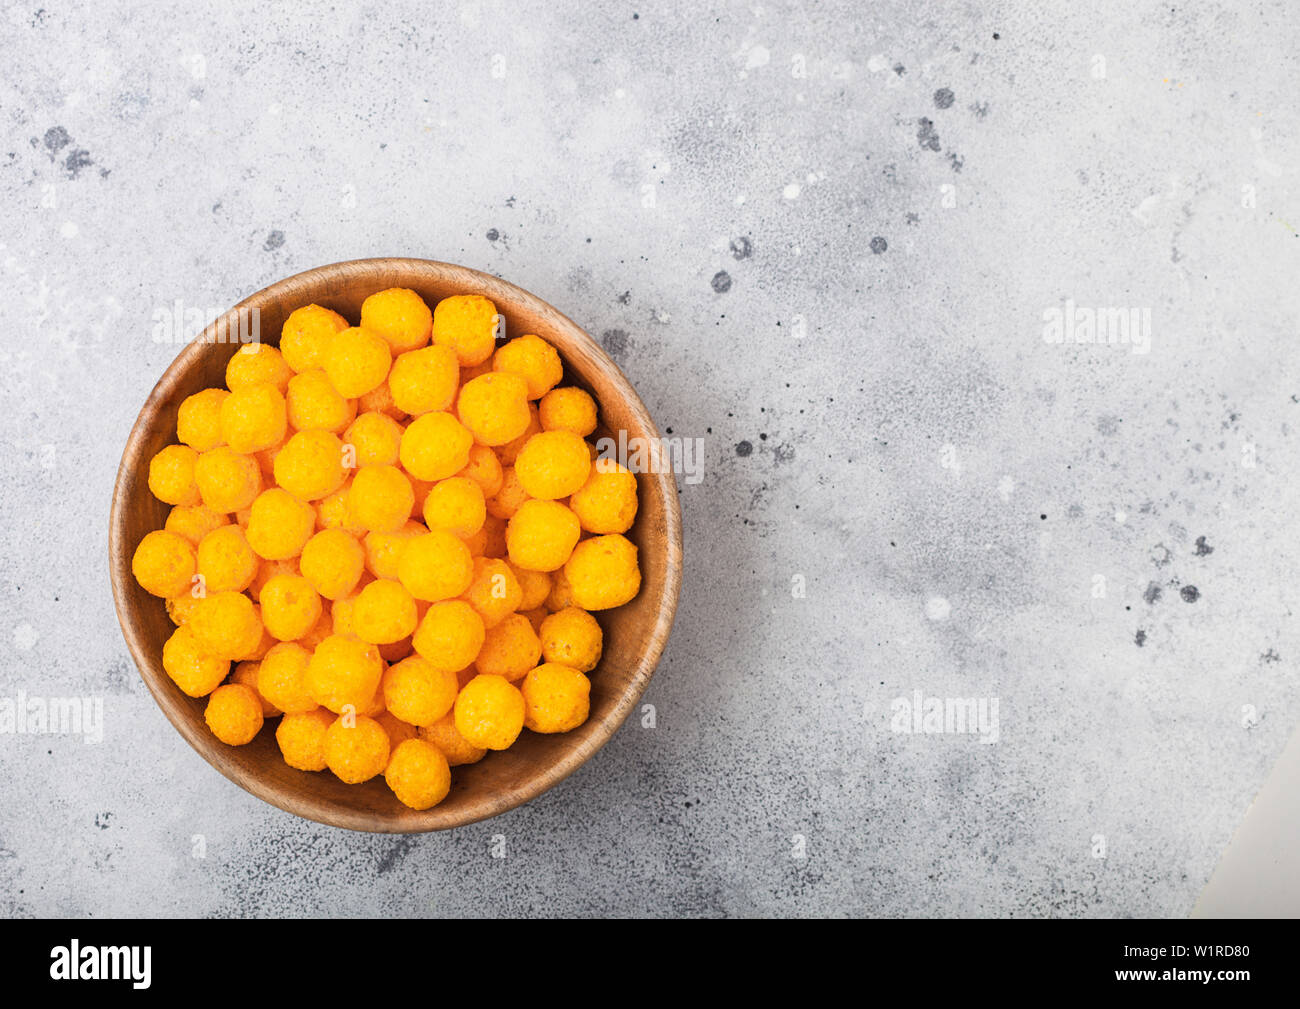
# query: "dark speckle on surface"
[56,138]
[943,98]
[926,135]
[741,248]
[1140,638]
[615,342]
[1153,593]
[273,241]
[744,448]
[493,234]
[721,282]
[76,161]
[1190,593]
[1203,549]
[879,245]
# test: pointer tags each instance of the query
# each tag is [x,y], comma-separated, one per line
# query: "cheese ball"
[279,525]
[450,635]
[313,404]
[253,418]
[510,649]
[384,612]
[356,361]
[375,438]
[556,698]
[450,743]
[418,774]
[509,452]
[356,752]
[561,593]
[342,672]
[257,364]
[535,617]
[484,468]
[554,464]
[301,738]
[290,607]
[267,456]
[398,731]
[306,334]
[534,587]
[607,502]
[493,591]
[572,637]
[310,465]
[384,550]
[494,407]
[380,400]
[435,446]
[164,563]
[424,380]
[489,712]
[194,521]
[198,421]
[534,360]
[282,678]
[228,481]
[264,643]
[323,629]
[225,560]
[380,499]
[180,608]
[457,505]
[541,535]
[171,476]
[435,566]
[227,625]
[234,714]
[246,673]
[400,317]
[568,409]
[603,573]
[194,670]
[332,561]
[418,692]
[467,323]
[332,511]
[266,570]
[507,500]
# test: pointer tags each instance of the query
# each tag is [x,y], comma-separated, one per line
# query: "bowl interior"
[634,634]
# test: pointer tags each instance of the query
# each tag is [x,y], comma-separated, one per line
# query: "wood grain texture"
[634,634]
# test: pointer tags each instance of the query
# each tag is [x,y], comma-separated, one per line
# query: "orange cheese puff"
[194,521]
[357,361]
[194,670]
[494,407]
[568,409]
[257,364]
[313,404]
[375,438]
[435,446]
[400,316]
[227,481]
[447,738]
[282,678]
[509,452]
[380,499]
[607,502]
[418,774]
[266,570]
[534,587]
[342,672]
[450,634]
[510,649]
[380,400]
[384,613]
[171,476]
[310,465]
[533,359]
[384,550]
[306,334]
[198,421]
[234,714]
[457,505]
[572,637]
[225,560]
[227,625]
[541,535]
[602,572]
[435,566]
[424,380]
[332,561]
[253,418]
[418,692]
[511,495]
[467,323]
[493,590]
[164,563]
[356,752]
[290,607]
[301,738]
[398,731]
[553,464]
[556,698]
[484,468]
[279,525]
[489,712]
[246,673]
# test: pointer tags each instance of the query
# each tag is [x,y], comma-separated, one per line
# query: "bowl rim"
[313,807]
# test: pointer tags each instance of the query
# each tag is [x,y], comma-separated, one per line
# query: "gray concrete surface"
[827,240]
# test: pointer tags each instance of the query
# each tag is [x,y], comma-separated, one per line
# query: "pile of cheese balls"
[396,533]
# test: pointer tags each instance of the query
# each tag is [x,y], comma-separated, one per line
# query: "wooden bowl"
[634,634]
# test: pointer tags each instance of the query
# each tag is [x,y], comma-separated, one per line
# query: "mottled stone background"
[822,238]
